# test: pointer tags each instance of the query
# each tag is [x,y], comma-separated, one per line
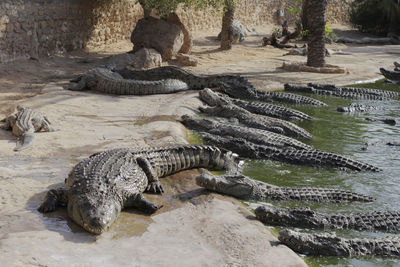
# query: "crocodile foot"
[155,188]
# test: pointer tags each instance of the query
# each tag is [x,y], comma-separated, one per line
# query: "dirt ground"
[195,227]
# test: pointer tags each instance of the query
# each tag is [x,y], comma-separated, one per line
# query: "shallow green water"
[345,133]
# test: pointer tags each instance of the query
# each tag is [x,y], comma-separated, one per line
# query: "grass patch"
[193,137]
[379,84]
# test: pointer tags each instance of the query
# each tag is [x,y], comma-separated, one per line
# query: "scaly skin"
[99,187]
[213,99]
[251,134]
[109,82]
[229,110]
[332,245]
[243,187]
[310,157]
[391,75]
[248,92]
[306,218]
[194,81]
[355,107]
[24,123]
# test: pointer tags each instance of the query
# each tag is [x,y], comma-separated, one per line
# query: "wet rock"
[165,37]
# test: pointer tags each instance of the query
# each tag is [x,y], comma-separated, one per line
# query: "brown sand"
[195,228]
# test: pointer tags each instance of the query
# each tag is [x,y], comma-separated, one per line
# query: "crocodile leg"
[154,185]
[46,127]
[54,198]
[140,202]
[6,123]
[25,140]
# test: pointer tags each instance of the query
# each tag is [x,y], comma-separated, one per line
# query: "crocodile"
[229,110]
[212,99]
[390,75]
[248,92]
[396,66]
[258,136]
[356,107]
[24,123]
[328,244]
[240,31]
[310,157]
[99,187]
[106,81]
[243,187]
[306,218]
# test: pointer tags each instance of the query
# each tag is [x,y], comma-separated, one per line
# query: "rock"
[165,37]
[187,36]
[120,61]
[186,60]
[147,58]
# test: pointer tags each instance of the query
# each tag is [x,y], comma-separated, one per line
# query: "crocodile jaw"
[231,185]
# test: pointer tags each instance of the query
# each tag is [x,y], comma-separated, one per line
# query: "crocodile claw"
[155,187]
[48,206]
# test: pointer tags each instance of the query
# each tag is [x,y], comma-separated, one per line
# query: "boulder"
[120,61]
[147,58]
[165,37]
[186,60]
[187,36]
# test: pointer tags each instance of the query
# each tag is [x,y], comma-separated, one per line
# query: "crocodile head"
[234,185]
[211,98]
[95,213]
[295,217]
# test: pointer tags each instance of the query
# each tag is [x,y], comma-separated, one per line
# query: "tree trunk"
[227,25]
[304,9]
[146,10]
[316,32]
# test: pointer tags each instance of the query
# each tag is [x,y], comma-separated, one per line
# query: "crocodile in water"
[243,187]
[212,98]
[99,187]
[306,218]
[332,245]
[24,123]
[356,107]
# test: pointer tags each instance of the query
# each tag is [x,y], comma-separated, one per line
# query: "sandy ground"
[195,227]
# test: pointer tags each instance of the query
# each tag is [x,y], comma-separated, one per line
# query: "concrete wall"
[32,28]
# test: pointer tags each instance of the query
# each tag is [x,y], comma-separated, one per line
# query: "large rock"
[165,37]
[187,36]
[147,58]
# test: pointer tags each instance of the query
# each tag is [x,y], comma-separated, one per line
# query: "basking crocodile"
[229,110]
[344,92]
[212,98]
[243,187]
[396,66]
[258,136]
[306,218]
[99,187]
[391,75]
[356,107]
[310,157]
[24,123]
[240,31]
[106,81]
[247,91]
[332,245]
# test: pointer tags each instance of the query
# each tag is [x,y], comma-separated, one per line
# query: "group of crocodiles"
[99,187]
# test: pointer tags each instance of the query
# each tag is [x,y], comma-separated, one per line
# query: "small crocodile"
[310,157]
[212,98]
[243,187]
[356,107]
[24,123]
[390,75]
[229,110]
[99,187]
[332,245]
[306,218]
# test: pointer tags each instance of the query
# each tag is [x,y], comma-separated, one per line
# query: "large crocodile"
[306,218]
[344,92]
[99,187]
[106,81]
[243,187]
[24,123]
[332,245]
[390,75]
[229,110]
[310,157]
[212,98]
[356,107]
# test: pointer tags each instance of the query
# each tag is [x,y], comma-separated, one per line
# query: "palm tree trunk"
[316,32]
[227,25]
[304,9]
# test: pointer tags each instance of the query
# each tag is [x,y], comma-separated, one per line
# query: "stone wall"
[32,28]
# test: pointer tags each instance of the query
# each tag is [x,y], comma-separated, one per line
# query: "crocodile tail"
[316,194]
[24,141]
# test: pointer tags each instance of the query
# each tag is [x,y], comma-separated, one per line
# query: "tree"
[315,10]
[227,24]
